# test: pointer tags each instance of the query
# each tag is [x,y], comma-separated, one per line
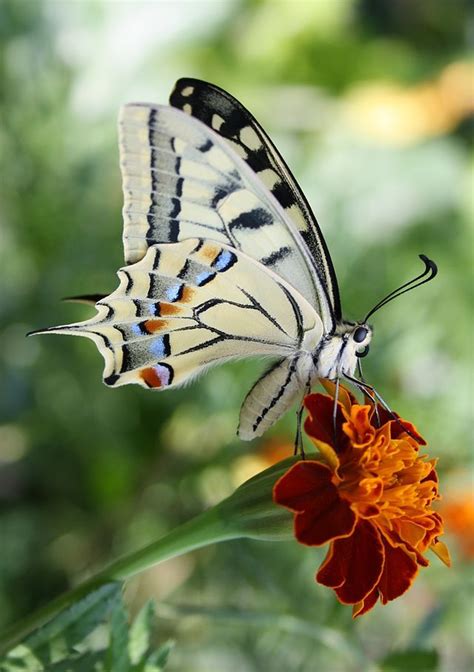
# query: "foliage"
[66,643]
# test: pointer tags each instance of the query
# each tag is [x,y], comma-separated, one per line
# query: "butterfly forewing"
[182,180]
[227,116]
[188,305]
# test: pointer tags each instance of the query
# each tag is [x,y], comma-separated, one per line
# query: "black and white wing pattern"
[229,118]
[182,180]
[189,305]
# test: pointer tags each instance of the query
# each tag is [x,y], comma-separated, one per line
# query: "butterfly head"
[337,354]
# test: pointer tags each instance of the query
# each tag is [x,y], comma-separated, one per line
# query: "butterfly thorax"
[337,353]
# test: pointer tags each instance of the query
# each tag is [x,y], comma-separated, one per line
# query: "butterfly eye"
[363,352]
[360,334]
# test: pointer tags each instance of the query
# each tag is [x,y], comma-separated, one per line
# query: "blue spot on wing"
[136,330]
[160,347]
[204,277]
[173,292]
[224,260]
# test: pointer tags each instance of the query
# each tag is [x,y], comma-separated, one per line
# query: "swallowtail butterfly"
[224,260]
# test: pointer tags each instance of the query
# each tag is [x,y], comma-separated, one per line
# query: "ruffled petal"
[319,425]
[366,604]
[333,519]
[354,564]
[441,550]
[307,485]
[399,572]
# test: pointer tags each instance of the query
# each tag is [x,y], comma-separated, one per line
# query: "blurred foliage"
[370,101]
[92,634]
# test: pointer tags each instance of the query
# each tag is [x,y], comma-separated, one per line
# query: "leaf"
[410,660]
[52,642]
[117,655]
[140,631]
[21,659]
[87,662]
[157,660]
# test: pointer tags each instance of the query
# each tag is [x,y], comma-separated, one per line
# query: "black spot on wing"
[284,194]
[173,231]
[258,159]
[253,219]
[276,256]
[112,379]
[206,146]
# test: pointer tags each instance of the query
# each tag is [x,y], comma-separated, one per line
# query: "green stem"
[207,528]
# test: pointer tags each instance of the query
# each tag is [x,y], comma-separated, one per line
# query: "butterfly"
[224,260]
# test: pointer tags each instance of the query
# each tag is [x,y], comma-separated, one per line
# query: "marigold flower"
[458,514]
[370,496]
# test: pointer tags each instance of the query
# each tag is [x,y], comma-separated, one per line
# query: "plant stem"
[207,528]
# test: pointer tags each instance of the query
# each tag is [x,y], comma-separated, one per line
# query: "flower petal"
[399,572]
[354,564]
[306,485]
[441,550]
[366,604]
[345,396]
[333,519]
[319,425]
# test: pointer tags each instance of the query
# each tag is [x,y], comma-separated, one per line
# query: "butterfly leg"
[299,419]
[334,413]
[367,393]
[366,388]
[299,436]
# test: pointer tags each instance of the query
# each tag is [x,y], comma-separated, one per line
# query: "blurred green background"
[371,103]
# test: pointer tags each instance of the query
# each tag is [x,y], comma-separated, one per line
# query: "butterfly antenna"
[428,274]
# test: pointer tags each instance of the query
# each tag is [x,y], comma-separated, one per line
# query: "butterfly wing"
[182,180]
[271,396]
[189,305]
[222,112]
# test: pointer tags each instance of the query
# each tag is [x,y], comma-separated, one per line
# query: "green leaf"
[21,659]
[54,640]
[117,655]
[410,660]
[140,632]
[157,660]
[87,662]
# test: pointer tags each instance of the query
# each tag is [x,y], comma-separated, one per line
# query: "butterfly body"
[224,260]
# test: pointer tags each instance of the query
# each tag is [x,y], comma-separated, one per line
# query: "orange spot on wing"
[169,308]
[210,252]
[155,325]
[151,377]
[188,293]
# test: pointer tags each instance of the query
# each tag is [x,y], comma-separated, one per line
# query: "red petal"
[332,519]
[304,485]
[397,428]
[354,564]
[366,604]
[399,572]
[319,425]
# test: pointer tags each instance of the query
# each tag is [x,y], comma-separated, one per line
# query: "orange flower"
[458,514]
[370,495]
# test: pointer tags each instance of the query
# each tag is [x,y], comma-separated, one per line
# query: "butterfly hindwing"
[227,116]
[186,306]
[271,396]
[182,180]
